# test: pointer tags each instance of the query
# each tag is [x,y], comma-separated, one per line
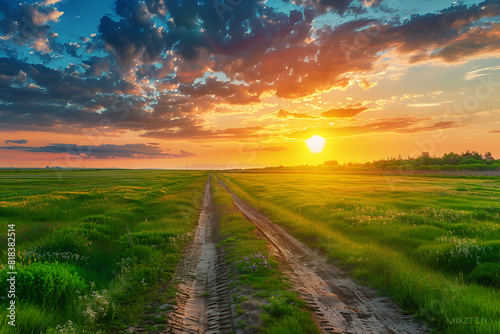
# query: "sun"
[315,144]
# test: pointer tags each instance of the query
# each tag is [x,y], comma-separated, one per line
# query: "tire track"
[203,300]
[339,304]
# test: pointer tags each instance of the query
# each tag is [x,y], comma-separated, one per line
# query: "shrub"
[152,238]
[68,328]
[454,254]
[492,251]
[142,253]
[51,285]
[98,238]
[486,274]
[280,305]
[97,307]
[67,240]
[97,219]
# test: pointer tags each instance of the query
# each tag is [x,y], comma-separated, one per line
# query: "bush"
[67,240]
[152,238]
[51,285]
[68,328]
[102,230]
[99,238]
[97,219]
[142,253]
[97,308]
[486,274]
[281,304]
[454,255]
[492,251]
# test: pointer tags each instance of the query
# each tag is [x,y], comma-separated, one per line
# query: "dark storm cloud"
[131,151]
[17,141]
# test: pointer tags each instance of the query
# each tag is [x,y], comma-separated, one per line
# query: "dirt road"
[203,302]
[339,304]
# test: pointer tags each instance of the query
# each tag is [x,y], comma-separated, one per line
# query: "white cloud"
[50,2]
[471,75]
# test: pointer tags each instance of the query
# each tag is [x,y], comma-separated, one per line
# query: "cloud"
[170,63]
[323,6]
[50,2]
[41,45]
[494,131]
[135,37]
[424,105]
[285,114]
[107,151]
[471,75]
[29,23]
[228,92]
[452,35]
[199,133]
[264,149]
[435,126]
[391,125]
[343,112]
[17,141]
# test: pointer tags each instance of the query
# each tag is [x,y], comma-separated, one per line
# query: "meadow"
[96,250]
[431,242]
[93,247]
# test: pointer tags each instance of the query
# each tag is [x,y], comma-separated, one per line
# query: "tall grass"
[432,247]
[92,245]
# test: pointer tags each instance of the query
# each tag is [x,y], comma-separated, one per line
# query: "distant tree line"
[469,160]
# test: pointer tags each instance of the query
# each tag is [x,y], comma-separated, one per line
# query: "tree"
[451,158]
[489,157]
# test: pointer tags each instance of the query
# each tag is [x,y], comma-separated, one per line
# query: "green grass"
[433,243]
[251,265]
[93,246]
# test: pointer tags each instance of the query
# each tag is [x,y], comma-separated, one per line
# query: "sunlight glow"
[315,144]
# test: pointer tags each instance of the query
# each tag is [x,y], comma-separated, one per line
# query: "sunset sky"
[244,83]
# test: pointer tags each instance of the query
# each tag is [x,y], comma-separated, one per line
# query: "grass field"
[93,248]
[92,245]
[433,243]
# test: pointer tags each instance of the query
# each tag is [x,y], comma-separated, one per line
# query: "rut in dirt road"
[203,303]
[339,304]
